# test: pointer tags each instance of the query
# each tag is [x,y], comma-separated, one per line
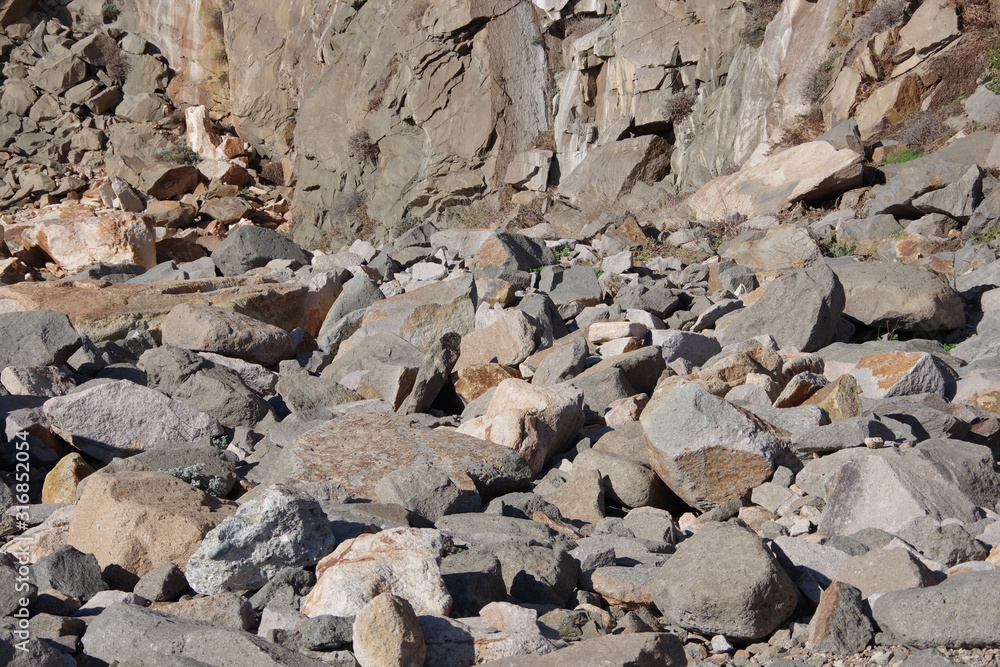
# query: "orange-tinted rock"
[60,483]
[841,399]
[897,373]
[473,381]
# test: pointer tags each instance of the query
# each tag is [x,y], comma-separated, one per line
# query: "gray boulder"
[422,489]
[963,611]
[358,293]
[71,572]
[562,363]
[36,338]
[840,625]
[817,298]
[281,527]
[723,580]
[251,247]
[205,467]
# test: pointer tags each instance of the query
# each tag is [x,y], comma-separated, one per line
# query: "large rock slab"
[704,448]
[279,528]
[961,612]
[128,632]
[537,422]
[612,170]
[877,492]
[359,449]
[508,341]
[816,296]
[251,247]
[123,518]
[424,315]
[213,329]
[122,418]
[780,250]
[899,296]
[75,236]
[627,650]
[402,561]
[108,312]
[808,172]
[888,374]
[723,580]
[36,338]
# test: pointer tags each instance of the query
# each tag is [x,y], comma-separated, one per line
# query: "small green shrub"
[220,441]
[948,347]
[179,153]
[110,12]
[993,67]
[613,8]
[562,253]
[988,236]
[836,249]
[599,272]
[212,485]
[901,155]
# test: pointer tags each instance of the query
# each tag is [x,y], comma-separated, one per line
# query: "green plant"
[213,485]
[483,152]
[599,272]
[948,347]
[405,225]
[899,232]
[562,252]
[961,96]
[555,90]
[836,249]
[110,12]
[536,39]
[988,236]
[536,269]
[993,67]
[901,155]
[614,7]
[179,153]
[220,441]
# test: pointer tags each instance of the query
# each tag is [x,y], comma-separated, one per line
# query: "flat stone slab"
[106,311]
[359,449]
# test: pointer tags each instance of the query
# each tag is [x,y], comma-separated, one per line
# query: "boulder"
[779,250]
[882,570]
[122,519]
[60,482]
[359,449]
[723,580]
[213,329]
[888,374]
[70,572]
[899,296]
[75,236]
[387,632]
[807,173]
[280,527]
[509,341]
[818,300]
[840,625]
[704,448]
[537,422]
[251,247]
[510,256]
[36,338]
[100,422]
[960,612]
[402,561]
[612,170]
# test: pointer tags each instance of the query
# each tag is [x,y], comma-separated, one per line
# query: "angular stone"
[602,332]
[69,571]
[628,482]
[60,482]
[359,449]
[705,449]
[109,312]
[75,236]
[508,341]
[170,181]
[280,527]
[962,611]
[205,467]
[401,561]
[422,489]
[213,329]
[840,400]
[840,625]
[474,381]
[890,374]
[534,421]
[36,381]
[807,173]
[121,519]
[724,581]
[120,418]
[883,570]
[655,648]
[892,295]
[225,610]
[561,363]
[780,250]
[39,338]
[251,247]
[799,389]
[612,170]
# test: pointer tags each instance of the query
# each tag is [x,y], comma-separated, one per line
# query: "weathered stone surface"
[890,374]
[359,449]
[612,170]
[120,418]
[387,634]
[279,528]
[818,299]
[473,381]
[884,294]
[36,381]
[36,338]
[780,250]
[225,610]
[75,237]
[876,492]
[705,449]
[213,329]
[883,570]
[628,482]
[60,482]
[628,650]
[508,341]
[250,247]
[69,571]
[840,399]
[808,172]
[510,256]
[724,581]
[401,561]
[122,519]
[109,312]
[422,489]
[961,611]
[537,422]
[424,315]
[129,632]
[840,625]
